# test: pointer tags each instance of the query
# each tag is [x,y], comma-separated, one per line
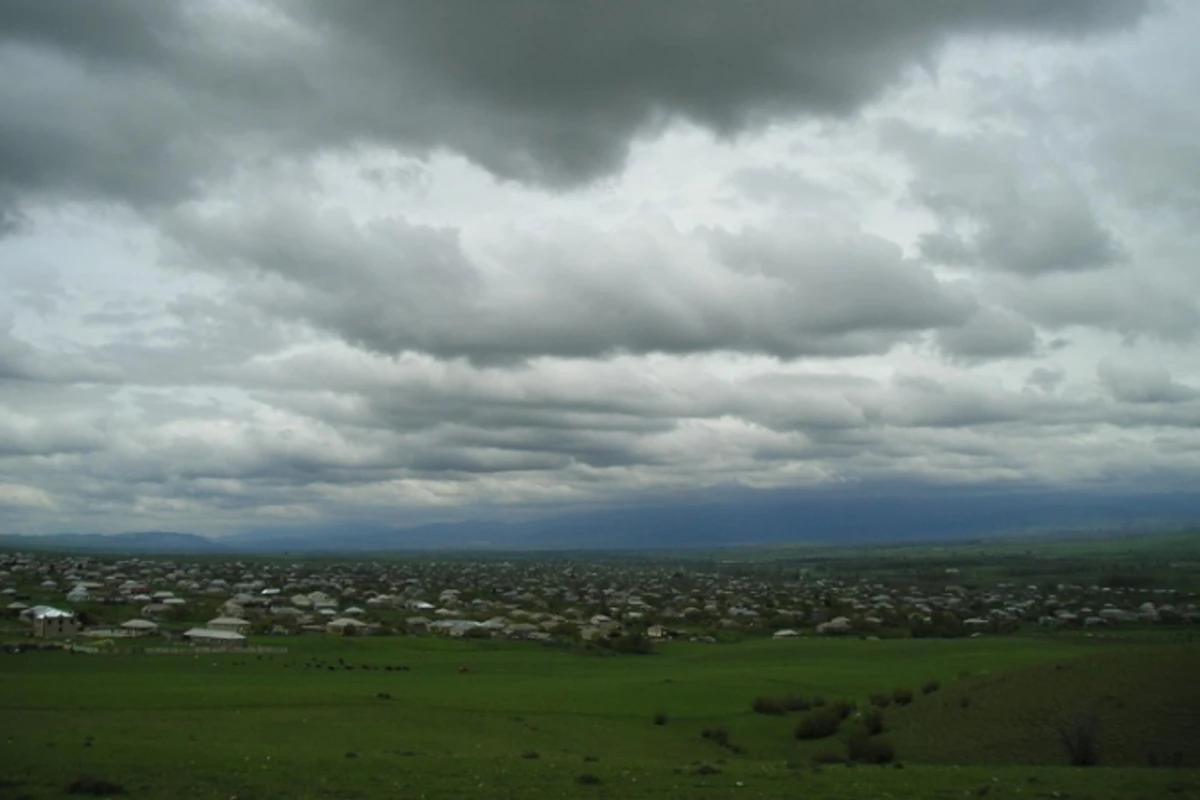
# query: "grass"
[1142,704]
[239,725]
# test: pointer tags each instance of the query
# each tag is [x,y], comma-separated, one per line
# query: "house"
[232,624]
[345,626]
[139,627]
[51,623]
[786,633]
[215,638]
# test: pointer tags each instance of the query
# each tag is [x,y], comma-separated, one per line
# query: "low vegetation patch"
[902,697]
[720,737]
[1078,737]
[819,724]
[780,705]
[931,686]
[866,749]
[829,757]
[97,787]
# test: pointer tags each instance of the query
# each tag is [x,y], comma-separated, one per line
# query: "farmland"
[497,711]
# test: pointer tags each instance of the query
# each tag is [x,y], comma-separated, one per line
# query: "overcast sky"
[276,261]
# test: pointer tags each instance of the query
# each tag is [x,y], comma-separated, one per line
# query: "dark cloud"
[1045,379]
[144,101]
[989,334]
[786,290]
[1134,383]
[1002,202]
[22,362]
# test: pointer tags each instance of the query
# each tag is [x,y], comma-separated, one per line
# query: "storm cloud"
[290,260]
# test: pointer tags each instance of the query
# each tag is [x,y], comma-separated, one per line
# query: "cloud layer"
[267,260]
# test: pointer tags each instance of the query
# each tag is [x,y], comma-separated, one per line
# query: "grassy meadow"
[429,717]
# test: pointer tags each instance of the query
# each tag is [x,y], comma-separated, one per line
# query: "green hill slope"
[1143,707]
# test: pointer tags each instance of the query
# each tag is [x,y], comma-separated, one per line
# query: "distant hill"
[731,517]
[893,513]
[161,542]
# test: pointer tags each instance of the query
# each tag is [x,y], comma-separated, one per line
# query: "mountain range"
[722,518]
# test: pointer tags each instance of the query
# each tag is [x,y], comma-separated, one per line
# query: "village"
[222,603]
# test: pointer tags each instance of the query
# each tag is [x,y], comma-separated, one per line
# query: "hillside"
[1146,708]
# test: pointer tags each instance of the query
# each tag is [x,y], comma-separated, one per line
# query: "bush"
[768,705]
[86,784]
[1078,738]
[819,724]
[660,718]
[588,779]
[780,705]
[795,703]
[862,748]
[931,686]
[637,644]
[873,721]
[531,754]
[880,700]
[718,735]
[902,697]
[844,708]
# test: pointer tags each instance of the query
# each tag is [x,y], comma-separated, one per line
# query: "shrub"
[86,784]
[768,705]
[864,749]
[880,700]
[796,703]
[637,644]
[873,721]
[902,697]
[819,724]
[817,702]
[718,735]
[844,708]
[1078,737]
[531,754]
[588,779]
[931,686]
[660,718]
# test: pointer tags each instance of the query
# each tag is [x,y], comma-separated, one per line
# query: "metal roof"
[209,633]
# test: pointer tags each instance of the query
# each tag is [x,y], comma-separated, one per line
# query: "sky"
[273,262]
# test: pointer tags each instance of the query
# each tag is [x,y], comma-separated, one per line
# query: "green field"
[495,719]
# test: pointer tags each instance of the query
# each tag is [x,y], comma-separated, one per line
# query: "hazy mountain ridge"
[732,518]
[135,542]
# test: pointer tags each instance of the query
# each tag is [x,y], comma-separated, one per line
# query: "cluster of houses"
[221,603]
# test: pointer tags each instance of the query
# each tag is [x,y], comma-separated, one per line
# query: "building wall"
[55,627]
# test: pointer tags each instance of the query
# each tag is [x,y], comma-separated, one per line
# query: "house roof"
[228,621]
[139,624]
[46,612]
[209,633]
